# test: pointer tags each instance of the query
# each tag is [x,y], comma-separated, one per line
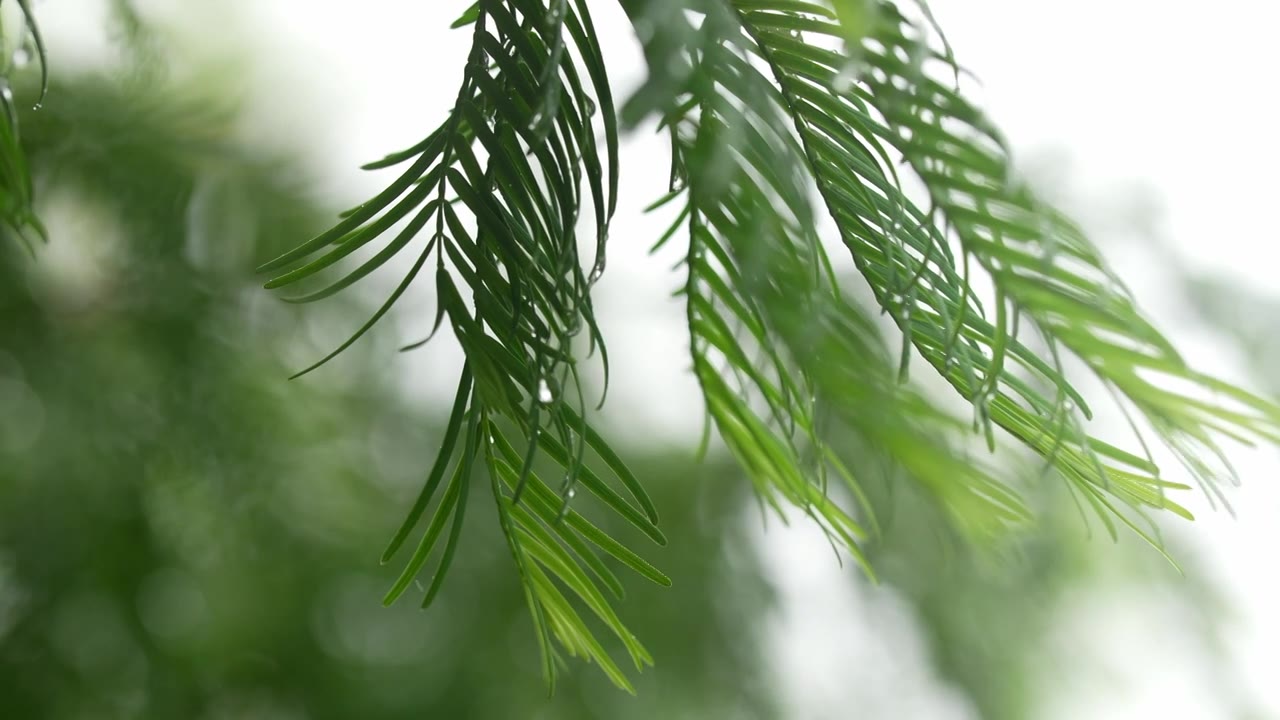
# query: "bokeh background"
[186,534]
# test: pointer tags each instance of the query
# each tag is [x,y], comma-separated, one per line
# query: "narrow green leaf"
[438,468]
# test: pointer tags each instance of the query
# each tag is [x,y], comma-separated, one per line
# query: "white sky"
[1167,103]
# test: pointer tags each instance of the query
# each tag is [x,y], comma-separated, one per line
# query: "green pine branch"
[765,101]
[17,194]
[779,113]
